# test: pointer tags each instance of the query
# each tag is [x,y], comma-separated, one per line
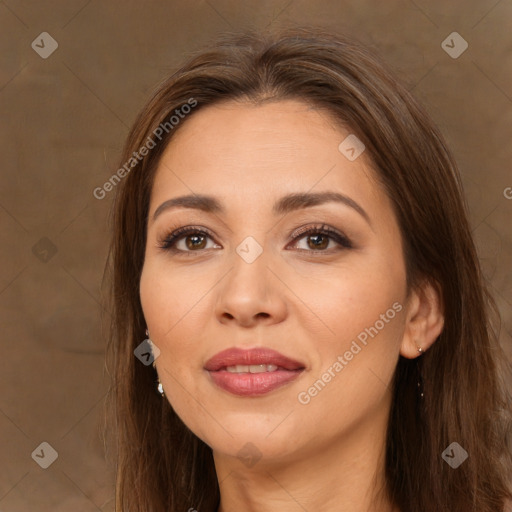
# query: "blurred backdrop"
[73,76]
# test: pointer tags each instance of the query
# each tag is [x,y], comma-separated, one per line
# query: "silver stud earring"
[160,388]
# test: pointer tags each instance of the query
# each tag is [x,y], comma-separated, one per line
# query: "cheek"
[356,364]
[169,298]
[363,311]
[175,307]
[348,300]
[167,314]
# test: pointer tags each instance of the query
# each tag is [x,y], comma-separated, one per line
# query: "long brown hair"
[161,464]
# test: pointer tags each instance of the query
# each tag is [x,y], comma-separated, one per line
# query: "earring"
[160,388]
[420,380]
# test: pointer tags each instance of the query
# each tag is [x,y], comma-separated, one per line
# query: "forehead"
[248,152]
[280,128]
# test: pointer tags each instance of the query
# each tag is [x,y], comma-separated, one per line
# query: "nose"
[251,294]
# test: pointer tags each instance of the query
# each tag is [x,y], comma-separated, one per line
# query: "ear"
[424,320]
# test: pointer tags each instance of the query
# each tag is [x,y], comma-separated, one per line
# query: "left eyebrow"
[297,201]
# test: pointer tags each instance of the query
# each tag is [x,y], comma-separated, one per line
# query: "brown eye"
[318,239]
[194,240]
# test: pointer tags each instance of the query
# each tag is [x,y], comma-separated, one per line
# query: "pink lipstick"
[252,372]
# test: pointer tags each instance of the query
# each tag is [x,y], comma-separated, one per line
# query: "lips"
[252,372]
[258,356]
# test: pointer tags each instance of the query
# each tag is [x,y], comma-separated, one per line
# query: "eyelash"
[168,242]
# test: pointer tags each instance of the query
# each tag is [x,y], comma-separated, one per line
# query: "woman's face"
[249,276]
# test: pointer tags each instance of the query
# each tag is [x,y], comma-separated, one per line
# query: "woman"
[290,236]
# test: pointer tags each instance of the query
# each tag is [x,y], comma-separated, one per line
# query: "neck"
[345,474]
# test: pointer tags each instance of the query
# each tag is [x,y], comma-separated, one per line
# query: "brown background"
[64,120]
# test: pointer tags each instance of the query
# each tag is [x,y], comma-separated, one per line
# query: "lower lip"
[253,384]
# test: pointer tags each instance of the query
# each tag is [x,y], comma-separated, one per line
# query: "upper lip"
[238,356]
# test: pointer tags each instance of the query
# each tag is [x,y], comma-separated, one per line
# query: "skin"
[308,304]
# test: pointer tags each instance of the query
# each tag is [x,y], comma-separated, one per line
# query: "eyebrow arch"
[284,205]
